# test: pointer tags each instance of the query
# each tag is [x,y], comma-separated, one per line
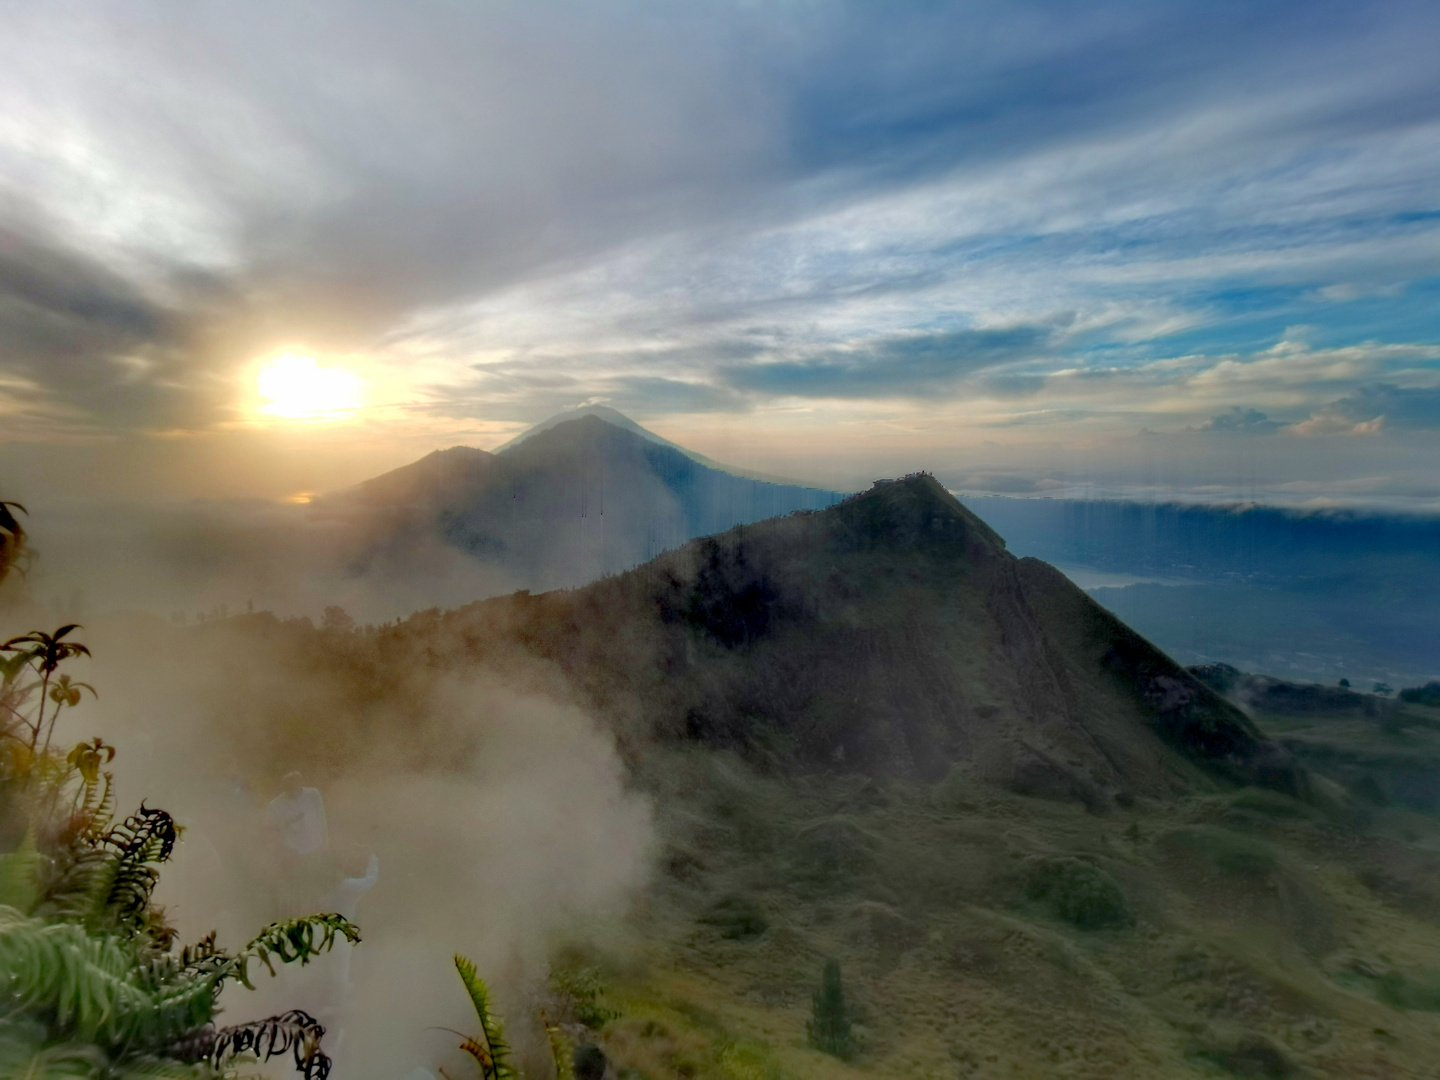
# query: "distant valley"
[1310,595]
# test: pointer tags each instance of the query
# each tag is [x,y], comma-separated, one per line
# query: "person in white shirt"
[299,813]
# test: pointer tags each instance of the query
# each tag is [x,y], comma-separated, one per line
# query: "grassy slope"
[1256,917]
[1391,759]
[1256,946]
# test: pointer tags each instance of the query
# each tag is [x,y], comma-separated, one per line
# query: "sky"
[1188,250]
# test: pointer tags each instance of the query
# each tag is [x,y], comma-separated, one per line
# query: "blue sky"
[1033,246]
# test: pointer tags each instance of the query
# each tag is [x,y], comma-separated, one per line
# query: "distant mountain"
[892,634]
[577,497]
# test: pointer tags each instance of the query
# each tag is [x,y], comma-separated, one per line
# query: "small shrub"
[737,918]
[955,792]
[1079,893]
[1255,1056]
[834,849]
[1369,789]
[580,990]
[829,1026]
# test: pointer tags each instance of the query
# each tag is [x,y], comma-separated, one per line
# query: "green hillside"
[1036,846]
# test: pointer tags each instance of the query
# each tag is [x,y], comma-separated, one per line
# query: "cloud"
[1008,484]
[502,210]
[532,390]
[1331,422]
[1409,407]
[1242,421]
[1345,292]
[80,342]
[1375,408]
[911,365]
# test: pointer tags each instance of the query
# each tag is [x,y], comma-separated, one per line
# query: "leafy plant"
[829,1026]
[113,1000]
[90,982]
[41,653]
[489,1050]
[579,990]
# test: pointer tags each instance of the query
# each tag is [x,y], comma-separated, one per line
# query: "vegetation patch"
[1429,694]
[738,918]
[579,992]
[1250,1057]
[749,1059]
[833,849]
[956,792]
[1399,991]
[1228,852]
[829,1027]
[1078,893]
[1270,804]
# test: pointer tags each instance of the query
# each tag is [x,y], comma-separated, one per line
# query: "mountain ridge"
[891,633]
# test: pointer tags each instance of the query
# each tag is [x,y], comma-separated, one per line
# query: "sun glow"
[298,388]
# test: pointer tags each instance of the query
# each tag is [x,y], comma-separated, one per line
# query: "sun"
[297,388]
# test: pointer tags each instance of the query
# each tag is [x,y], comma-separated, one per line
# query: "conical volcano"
[573,500]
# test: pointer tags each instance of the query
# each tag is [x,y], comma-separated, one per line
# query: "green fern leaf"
[294,940]
[20,875]
[491,1026]
[562,1052]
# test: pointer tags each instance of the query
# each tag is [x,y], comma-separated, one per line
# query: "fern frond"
[94,807]
[562,1050]
[92,988]
[26,1052]
[140,842]
[481,1055]
[107,882]
[20,875]
[202,954]
[293,940]
[295,1033]
[491,1026]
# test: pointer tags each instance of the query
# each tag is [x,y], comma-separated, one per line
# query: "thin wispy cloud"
[1203,217]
